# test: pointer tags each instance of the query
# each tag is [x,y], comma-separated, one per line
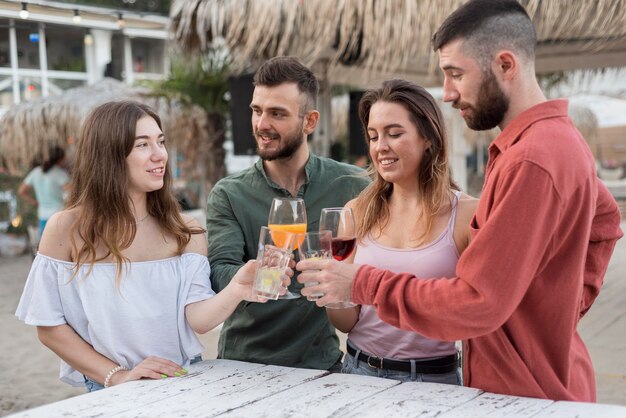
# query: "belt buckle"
[369,358]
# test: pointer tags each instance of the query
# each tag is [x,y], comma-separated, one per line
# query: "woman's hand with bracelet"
[152,367]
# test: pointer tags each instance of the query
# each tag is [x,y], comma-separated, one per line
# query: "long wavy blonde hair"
[371,207]
[99,188]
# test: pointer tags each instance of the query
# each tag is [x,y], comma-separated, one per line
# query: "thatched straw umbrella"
[30,128]
[384,37]
[362,42]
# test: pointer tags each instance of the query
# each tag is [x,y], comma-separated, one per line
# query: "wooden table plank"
[238,389]
[321,397]
[564,409]
[137,394]
[496,405]
[216,397]
[412,400]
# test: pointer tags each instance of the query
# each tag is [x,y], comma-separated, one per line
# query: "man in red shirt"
[542,236]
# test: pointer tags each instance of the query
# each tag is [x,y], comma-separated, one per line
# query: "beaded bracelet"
[107,379]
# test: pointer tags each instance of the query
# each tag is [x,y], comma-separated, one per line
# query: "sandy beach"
[29,371]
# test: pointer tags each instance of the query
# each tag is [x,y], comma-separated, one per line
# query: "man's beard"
[491,106]
[289,144]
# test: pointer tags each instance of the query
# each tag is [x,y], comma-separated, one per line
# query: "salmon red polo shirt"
[542,237]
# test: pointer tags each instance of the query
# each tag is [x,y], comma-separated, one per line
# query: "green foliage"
[202,81]
[77,64]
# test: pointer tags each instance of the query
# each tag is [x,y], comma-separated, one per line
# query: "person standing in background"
[48,181]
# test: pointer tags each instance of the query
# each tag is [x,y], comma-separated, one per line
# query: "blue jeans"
[337,367]
[94,386]
[91,385]
[351,365]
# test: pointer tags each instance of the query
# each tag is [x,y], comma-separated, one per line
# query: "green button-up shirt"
[294,332]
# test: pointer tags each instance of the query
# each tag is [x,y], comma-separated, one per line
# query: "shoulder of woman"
[351,203]
[191,221]
[56,239]
[467,201]
[198,242]
[466,209]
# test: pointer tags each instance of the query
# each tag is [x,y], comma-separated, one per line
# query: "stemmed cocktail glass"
[340,222]
[288,214]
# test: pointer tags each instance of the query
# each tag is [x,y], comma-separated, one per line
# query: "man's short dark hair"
[487,26]
[281,70]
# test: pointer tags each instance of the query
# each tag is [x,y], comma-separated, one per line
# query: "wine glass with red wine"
[340,222]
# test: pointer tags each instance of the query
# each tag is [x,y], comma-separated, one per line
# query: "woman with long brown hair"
[121,281]
[412,218]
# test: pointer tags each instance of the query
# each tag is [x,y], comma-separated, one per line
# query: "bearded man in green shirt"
[286,332]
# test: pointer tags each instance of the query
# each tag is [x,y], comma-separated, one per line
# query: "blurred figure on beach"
[121,280]
[286,332]
[542,236]
[412,218]
[48,180]
[3,166]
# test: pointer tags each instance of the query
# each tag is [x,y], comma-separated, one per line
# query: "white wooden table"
[238,389]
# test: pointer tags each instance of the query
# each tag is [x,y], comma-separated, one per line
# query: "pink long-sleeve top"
[542,237]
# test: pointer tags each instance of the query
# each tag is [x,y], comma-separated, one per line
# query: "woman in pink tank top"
[412,218]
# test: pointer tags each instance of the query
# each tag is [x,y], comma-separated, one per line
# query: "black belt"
[440,365]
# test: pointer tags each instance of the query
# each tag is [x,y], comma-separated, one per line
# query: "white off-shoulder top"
[144,316]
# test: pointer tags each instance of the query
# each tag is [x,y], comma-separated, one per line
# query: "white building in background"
[47,47]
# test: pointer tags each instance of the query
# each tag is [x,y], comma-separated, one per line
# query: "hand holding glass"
[340,222]
[315,246]
[274,253]
[288,214]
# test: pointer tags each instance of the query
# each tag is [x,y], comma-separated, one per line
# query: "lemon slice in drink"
[269,278]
